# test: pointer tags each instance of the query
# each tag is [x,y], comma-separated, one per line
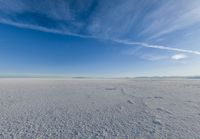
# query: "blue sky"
[117,38]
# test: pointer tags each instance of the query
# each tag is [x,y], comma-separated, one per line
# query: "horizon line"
[95,77]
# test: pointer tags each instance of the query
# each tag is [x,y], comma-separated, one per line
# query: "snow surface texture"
[89,109]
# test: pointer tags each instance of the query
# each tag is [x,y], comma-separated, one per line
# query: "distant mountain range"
[171,77]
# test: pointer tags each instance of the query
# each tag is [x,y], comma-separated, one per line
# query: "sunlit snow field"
[99,108]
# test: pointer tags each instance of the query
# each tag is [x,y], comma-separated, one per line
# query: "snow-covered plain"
[99,108]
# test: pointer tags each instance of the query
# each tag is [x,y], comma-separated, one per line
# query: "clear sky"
[117,38]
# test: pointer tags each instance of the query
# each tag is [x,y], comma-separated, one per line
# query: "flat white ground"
[89,108]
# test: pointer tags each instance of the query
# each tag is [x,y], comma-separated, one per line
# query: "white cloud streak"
[179,56]
[43,29]
[158,47]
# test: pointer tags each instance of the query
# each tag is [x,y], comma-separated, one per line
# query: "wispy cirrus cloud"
[115,20]
[144,20]
[106,19]
[172,16]
[60,15]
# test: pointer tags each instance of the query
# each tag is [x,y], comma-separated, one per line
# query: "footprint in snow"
[110,88]
[158,97]
[157,122]
[122,91]
[130,102]
[121,107]
[165,111]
